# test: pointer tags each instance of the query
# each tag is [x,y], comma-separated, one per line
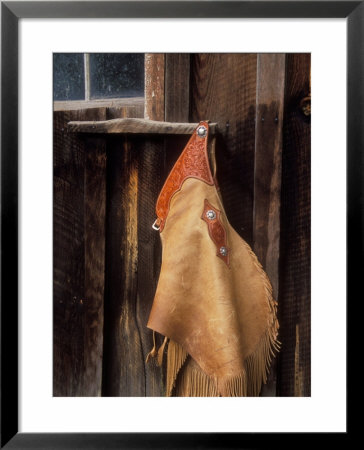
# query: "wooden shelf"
[134,126]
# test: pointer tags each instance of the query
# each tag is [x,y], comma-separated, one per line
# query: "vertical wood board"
[123,369]
[267,178]
[77,311]
[151,179]
[177,87]
[268,162]
[94,220]
[154,86]
[223,90]
[294,361]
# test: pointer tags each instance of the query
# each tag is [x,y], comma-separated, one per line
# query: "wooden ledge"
[135,126]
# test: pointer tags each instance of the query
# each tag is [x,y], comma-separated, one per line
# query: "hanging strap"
[154,353]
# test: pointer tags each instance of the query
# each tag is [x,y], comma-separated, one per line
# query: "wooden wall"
[106,255]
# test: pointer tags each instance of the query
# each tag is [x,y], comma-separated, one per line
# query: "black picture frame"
[11,12]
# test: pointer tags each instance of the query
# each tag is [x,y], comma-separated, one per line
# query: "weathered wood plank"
[94,219]
[123,368]
[223,89]
[154,86]
[177,87]
[267,180]
[151,179]
[134,126]
[77,304]
[294,362]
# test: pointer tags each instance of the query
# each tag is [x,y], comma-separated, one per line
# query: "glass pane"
[68,76]
[116,75]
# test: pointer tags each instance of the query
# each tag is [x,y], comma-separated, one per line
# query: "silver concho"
[223,251]
[201,131]
[210,214]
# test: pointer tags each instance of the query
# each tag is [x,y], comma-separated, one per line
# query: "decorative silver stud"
[201,131]
[223,251]
[210,214]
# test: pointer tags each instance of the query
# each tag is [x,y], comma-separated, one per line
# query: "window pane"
[116,75]
[68,76]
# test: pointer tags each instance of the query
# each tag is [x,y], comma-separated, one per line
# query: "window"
[91,76]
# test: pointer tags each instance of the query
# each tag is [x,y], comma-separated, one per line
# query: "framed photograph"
[116,289]
[110,303]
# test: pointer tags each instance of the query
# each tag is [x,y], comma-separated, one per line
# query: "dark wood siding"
[78,257]
[294,363]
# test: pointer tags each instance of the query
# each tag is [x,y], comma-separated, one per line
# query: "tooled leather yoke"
[193,163]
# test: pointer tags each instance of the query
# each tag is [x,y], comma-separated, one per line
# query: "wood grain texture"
[294,362]
[77,305]
[267,180]
[123,370]
[223,90]
[268,162]
[134,126]
[154,86]
[148,159]
[94,220]
[177,87]
[151,178]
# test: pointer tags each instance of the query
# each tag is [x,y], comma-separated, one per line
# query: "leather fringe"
[258,363]
[190,381]
[176,357]
[193,382]
[235,386]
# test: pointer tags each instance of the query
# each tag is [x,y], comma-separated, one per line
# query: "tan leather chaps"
[213,301]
